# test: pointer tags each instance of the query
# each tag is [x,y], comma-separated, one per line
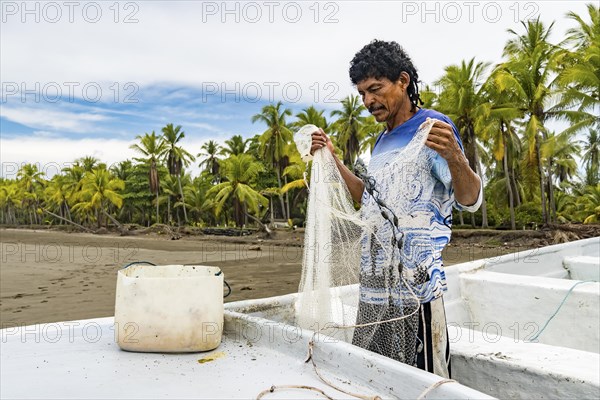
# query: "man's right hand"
[354,183]
[320,140]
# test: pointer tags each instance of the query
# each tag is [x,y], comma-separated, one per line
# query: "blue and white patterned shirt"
[421,251]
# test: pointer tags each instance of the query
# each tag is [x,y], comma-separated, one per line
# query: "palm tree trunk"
[66,220]
[460,218]
[280,196]
[542,175]
[38,219]
[114,220]
[515,189]
[157,217]
[509,189]
[551,192]
[182,199]
[287,200]
[484,219]
[169,209]
[99,217]
[261,226]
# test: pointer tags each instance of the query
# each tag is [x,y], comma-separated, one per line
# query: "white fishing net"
[375,246]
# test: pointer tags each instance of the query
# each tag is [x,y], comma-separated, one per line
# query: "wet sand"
[50,276]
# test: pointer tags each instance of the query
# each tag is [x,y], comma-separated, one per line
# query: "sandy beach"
[49,276]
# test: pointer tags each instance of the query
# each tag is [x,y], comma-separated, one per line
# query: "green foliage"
[528,213]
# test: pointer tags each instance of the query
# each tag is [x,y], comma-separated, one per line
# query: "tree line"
[502,112]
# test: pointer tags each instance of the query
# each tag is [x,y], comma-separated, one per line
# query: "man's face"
[382,97]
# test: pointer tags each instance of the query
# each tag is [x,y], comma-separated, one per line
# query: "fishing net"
[365,272]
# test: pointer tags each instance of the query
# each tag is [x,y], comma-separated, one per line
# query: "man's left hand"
[441,139]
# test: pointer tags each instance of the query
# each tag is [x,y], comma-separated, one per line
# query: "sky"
[85,78]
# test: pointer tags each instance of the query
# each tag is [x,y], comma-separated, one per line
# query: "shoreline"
[50,275]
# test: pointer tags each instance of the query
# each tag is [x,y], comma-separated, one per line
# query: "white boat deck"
[503,340]
[81,360]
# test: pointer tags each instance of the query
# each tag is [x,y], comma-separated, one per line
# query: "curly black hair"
[380,59]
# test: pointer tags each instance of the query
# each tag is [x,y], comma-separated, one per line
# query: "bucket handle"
[225,282]
[138,262]
[149,263]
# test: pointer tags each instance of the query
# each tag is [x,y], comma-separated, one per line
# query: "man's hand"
[320,140]
[355,185]
[441,139]
[466,183]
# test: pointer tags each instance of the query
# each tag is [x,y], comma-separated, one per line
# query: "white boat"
[495,308]
[81,360]
[505,341]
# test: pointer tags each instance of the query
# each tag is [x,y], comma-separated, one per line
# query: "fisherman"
[387,82]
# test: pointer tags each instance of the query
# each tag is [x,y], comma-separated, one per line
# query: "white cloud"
[186,44]
[52,154]
[183,45]
[44,118]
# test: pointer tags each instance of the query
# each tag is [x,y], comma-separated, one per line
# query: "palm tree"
[176,156]
[561,149]
[195,192]
[295,171]
[57,195]
[235,146]
[240,173]
[588,205]
[369,132]
[312,116]
[151,147]
[254,146]
[135,192]
[32,182]
[558,151]
[274,141]
[122,169]
[9,199]
[580,77]
[347,128]
[428,96]
[527,75]
[591,157]
[495,127]
[99,190]
[463,99]
[170,188]
[87,162]
[210,163]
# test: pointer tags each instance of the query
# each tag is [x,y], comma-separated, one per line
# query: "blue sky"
[97,75]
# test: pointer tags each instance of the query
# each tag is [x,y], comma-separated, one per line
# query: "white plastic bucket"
[169,308]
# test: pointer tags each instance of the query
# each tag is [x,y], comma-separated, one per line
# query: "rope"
[310,358]
[328,383]
[303,387]
[534,338]
[434,386]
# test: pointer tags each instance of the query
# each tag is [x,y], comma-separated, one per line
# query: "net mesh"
[361,276]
